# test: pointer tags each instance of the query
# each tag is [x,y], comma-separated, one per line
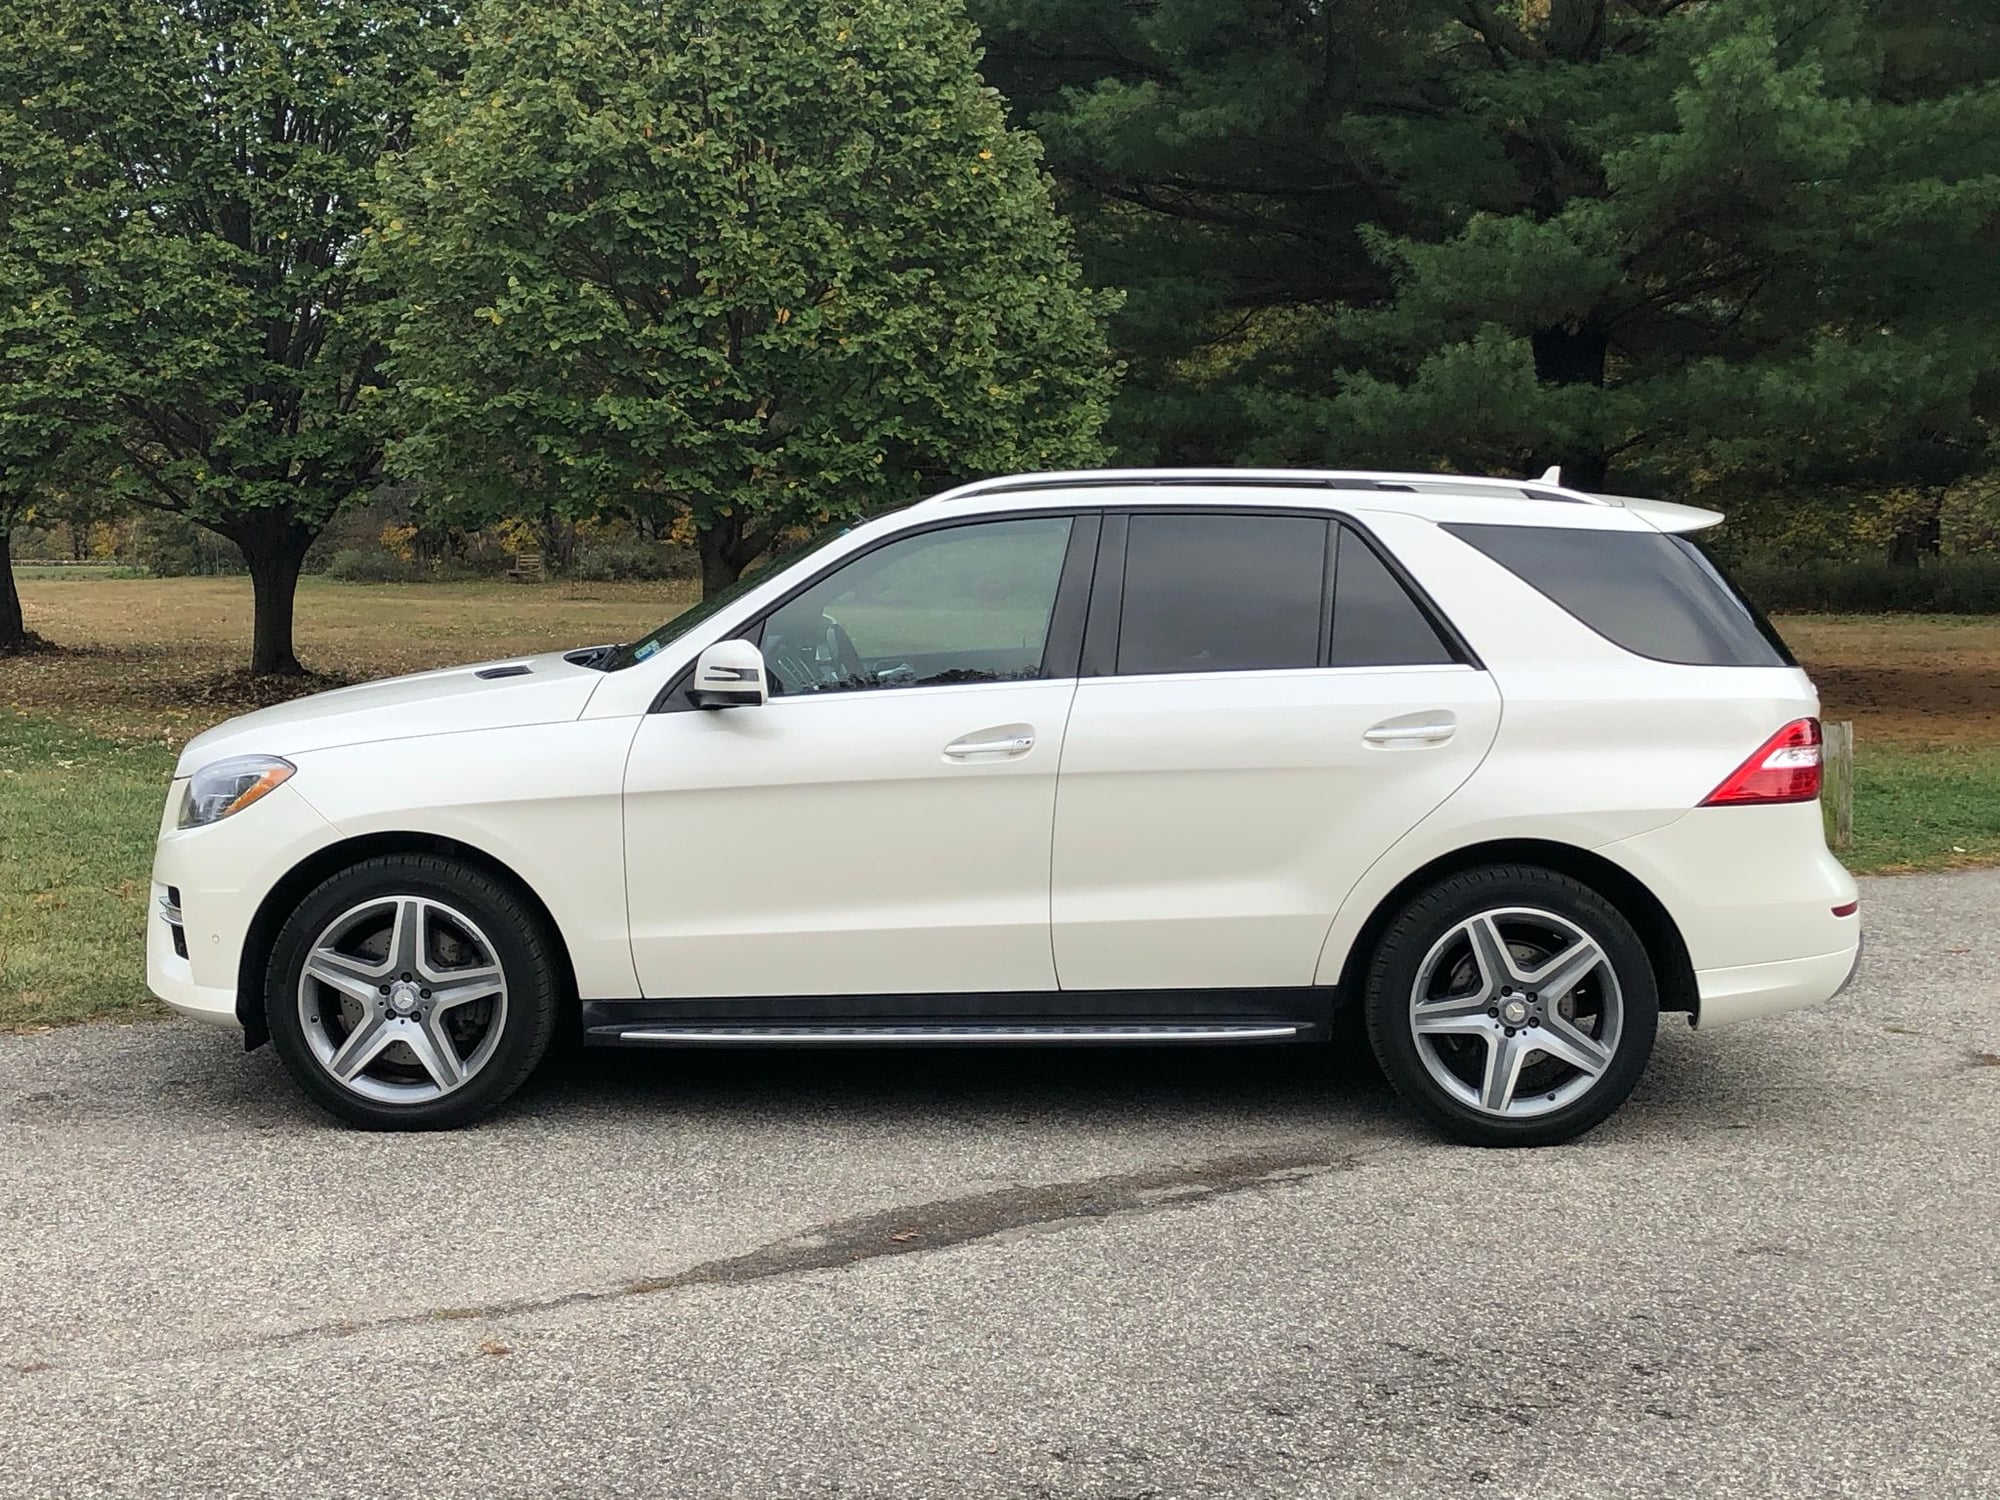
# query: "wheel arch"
[286,893]
[1655,926]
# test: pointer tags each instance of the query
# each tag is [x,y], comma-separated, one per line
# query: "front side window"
[964,604]
[1222,593]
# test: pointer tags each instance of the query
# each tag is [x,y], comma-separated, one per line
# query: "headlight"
[229,786]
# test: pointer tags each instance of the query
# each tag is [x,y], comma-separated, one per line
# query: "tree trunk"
[1572,356]
[556,535]
[274,546]
[15,637]
[726,549]
[1918,536]
[718,572]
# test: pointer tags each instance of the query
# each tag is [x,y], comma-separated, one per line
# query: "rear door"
[1267,706]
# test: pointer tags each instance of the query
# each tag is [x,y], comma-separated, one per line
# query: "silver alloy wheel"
[402,999]
[1516,1012]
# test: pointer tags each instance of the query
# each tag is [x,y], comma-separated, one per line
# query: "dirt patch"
[1904,679]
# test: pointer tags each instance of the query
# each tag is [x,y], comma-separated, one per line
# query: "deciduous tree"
[755,262]
[205,164]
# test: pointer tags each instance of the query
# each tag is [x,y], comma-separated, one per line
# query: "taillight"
[1785,768]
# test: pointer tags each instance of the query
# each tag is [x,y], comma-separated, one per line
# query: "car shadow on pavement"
[1276,1083]
[1694,1087]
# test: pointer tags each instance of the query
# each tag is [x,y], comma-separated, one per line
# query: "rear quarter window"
[1654,594]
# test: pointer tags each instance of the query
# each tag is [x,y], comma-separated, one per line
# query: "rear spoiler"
[1663,515]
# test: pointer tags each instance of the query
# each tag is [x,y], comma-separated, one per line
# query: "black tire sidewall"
[1427,917]
[520,940]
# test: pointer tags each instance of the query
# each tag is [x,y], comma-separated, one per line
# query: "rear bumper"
[1753,893]
[1751,990]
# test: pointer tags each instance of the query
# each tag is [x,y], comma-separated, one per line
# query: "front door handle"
[1003,743]
[1430,730]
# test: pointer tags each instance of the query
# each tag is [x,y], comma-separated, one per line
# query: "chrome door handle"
[1015,744]
[1409,734]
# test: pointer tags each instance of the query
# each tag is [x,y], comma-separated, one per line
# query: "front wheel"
[1512,1006]
[411,993]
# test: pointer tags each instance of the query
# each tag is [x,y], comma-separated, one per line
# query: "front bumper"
[171,977]
[221,874]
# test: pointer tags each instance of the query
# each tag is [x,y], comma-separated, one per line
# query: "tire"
[1438,1012]
[410,992]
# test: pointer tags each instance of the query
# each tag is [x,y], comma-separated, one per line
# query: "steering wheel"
[840,650]
[817,660]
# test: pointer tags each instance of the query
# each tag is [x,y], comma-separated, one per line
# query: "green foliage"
[358,565]
[628,562]
[1945,586]
[184,181]
[1725,245]
[167,545]
[757,263]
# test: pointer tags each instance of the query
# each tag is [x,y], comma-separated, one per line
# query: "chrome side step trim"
[738,1036]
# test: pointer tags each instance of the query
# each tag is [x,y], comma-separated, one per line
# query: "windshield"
[655,641]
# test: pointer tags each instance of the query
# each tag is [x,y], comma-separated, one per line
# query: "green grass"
[1924,807]
[77,820]
[76,572]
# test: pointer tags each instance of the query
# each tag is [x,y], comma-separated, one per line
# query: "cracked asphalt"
[1775,1273]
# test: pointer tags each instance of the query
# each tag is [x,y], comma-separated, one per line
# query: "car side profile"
[1107,758]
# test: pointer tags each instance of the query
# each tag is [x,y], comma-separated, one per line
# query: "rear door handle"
[1430,731]
[993,744]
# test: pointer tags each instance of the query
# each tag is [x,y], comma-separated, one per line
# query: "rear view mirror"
[729,674]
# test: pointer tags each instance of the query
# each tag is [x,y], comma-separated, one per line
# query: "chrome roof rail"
[1548,486]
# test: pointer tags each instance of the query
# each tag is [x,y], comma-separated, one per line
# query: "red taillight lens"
[1785,768]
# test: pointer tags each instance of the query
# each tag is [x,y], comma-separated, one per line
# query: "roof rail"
[1547,487]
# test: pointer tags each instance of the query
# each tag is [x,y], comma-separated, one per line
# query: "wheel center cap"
[1514,1012]
[403,999]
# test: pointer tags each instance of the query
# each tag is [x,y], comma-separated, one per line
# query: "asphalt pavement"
[1775,1273]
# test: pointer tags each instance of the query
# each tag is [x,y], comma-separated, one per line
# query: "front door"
[882,826]
[1274,710]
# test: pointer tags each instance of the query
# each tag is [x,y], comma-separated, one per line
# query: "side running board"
[652,1034]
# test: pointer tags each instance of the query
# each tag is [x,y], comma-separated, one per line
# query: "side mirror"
[729,674]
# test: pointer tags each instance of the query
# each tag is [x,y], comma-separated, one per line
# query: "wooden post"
[1839,752]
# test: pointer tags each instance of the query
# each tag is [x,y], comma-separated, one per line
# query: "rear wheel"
[411,993]
[1512,1005]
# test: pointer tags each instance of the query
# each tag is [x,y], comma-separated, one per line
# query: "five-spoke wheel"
[411,992]
[1513,1005]
[402,999]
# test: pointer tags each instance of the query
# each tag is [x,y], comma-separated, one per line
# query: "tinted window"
[1375,621]
[1222,593]
[965,604]
[1656,595]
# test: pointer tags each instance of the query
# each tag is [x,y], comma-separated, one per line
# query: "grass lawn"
[88,736]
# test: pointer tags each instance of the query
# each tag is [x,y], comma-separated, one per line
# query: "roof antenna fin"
[1553,474]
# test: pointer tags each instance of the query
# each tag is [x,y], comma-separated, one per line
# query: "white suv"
[1100,758]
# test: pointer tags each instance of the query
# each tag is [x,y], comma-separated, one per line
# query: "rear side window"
[1216,593]
[1656,595]
[1375,621]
